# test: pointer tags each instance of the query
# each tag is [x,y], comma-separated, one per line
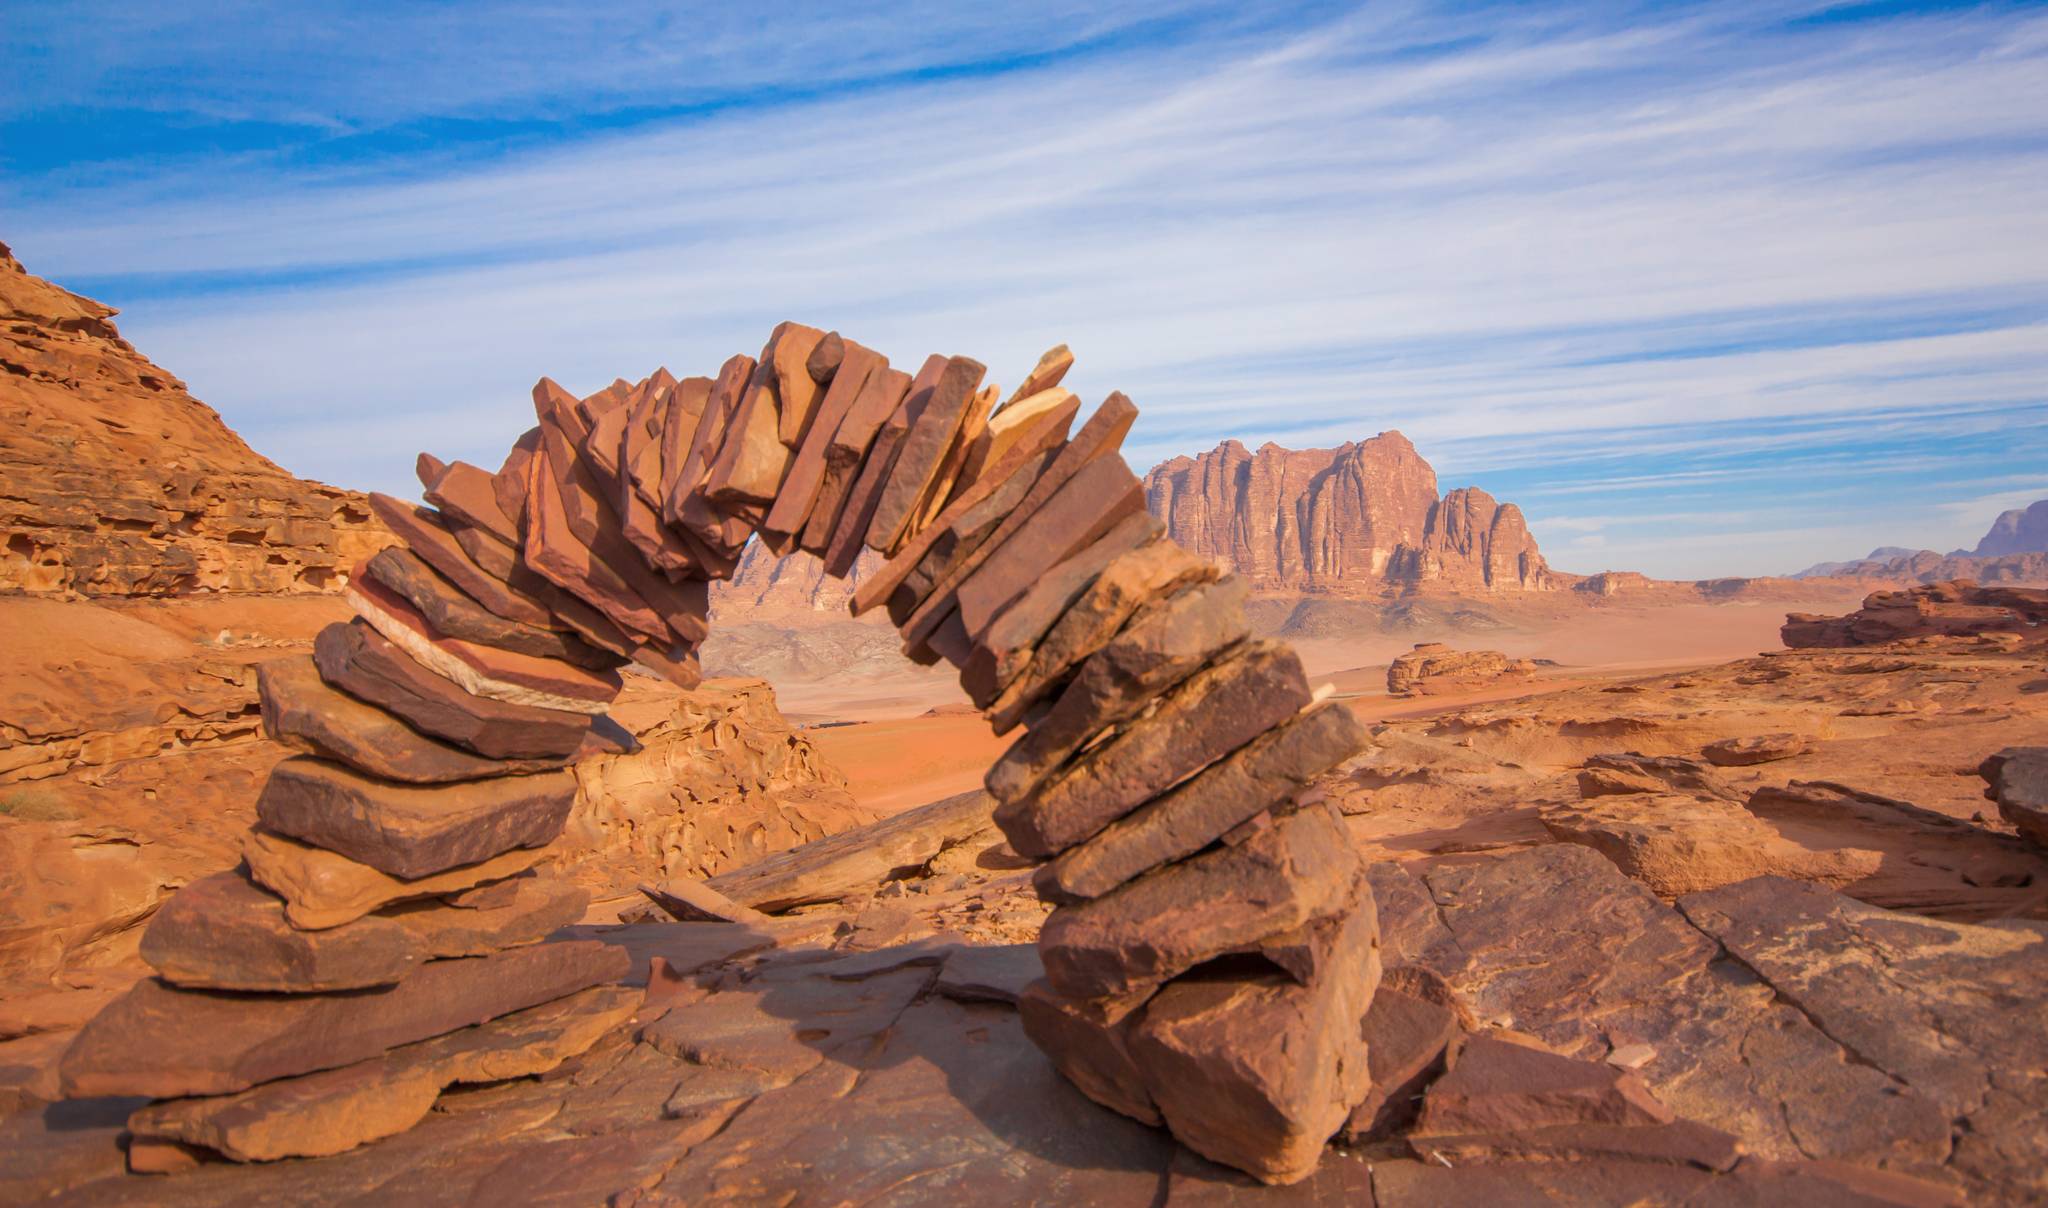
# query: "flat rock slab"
[413,831]
[1223,901]
[361,662]
[1940,1007]
[990,973]
[1496,1085]
[330,1112]
[855,861]
[1214,712]
[224,933]
[455,615]
[1263,773]
[304,713]
[1678,845]
[165,1043]
[482,670]
[326,889]
[508,914]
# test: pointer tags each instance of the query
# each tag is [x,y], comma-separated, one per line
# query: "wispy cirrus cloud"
[1719,265]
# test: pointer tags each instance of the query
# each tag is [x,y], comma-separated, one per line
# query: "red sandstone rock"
[326,889]
[1755,749]
[1957,608]
[1093,1052]
[880,397]
[354,658]
[455,615]
[223,933]
[1214,712]
[1223,901]
[801,489]
[1432,668]
[1407,1036]
[2017,779]
[932,432]
[164,1042]
[1259,1071]
[305,714]
[409,830]
[1352,520]
[487,671]
[423,532]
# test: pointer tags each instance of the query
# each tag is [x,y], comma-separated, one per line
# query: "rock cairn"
[1213,948]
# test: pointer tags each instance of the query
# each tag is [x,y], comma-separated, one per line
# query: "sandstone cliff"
[116,482]
[1360,519]
[2019,531]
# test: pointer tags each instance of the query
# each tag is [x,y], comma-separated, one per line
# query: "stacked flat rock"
[1214,947]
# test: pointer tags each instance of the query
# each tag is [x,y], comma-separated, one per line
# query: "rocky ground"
[1746,934]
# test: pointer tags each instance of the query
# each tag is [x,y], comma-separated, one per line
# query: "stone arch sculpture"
[1214,944]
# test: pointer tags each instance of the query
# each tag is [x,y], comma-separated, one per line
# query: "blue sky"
[1707,289]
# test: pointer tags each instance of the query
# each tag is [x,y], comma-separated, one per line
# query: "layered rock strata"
[114,481]
[1214,948]
[1957,608]
[1433,668]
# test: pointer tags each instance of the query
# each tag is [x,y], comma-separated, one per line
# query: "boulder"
[1755,749]
[2017,779]
[1090,1048]
[1433,668]
[1223,901]
[1258,1071]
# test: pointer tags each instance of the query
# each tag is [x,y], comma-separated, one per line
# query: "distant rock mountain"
[1361,519]
[2019,531]
[117,482]
[2014,551]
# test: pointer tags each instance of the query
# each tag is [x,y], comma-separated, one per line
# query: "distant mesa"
[2019,531]
[1361,519]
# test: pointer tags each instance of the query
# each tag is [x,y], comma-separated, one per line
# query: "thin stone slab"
[359,661]
[687,504]
[1258,1072]
[1151,572]
[455,615]
[224,933]
[316,1115]
[881,395]
[906,579]
[755,457]
[412,830]
[686,407]
[1103,433]
[951,478]
[304,713]
[164,1042]
[509,483]
[933,427]
[507,914]
[800,487]
[470,495]
[968,520]
[1049,372]
[1006,648]
[487,671]
[627,589]
[1265,772]
[1161,646]
[1001,431]
[1223,901]
[425,534]
[1093,502]
[850,536]
[1220,708]
[326,889]
[1407,1036]
[799,391]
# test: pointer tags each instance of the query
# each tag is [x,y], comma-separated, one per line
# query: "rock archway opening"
[1212,947]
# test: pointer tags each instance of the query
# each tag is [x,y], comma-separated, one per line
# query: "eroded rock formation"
[1956,608]
[114,481]
[444,731]
[1432,668]
[1360,519]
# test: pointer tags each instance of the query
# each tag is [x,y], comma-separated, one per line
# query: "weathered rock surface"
[859,859]
[1408,1033]
[330,1112]
[119,483]
[1955,608]
[413,831]
[1228,900]
[224,933]
[2018,781]
[1433,668]
[1678,845]
[326,889]
[1755,749]
[1259,1072]
[1358,519]
[164,1042]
